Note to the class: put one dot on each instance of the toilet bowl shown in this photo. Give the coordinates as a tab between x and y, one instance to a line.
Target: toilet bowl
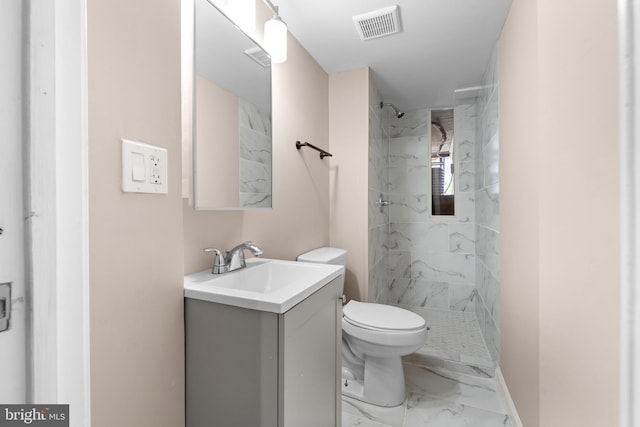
374	338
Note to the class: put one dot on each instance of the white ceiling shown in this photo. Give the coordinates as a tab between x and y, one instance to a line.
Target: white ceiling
445	44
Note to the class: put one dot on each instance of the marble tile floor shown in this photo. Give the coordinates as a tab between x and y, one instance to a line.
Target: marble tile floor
450	381
454	343
436	398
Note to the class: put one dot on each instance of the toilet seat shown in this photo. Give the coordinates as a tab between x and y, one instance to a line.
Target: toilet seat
381	317
383	325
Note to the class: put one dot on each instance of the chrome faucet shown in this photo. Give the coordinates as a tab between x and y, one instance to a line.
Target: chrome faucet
234	259
219	263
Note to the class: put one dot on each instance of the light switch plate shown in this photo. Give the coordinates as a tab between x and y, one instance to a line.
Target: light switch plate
144	168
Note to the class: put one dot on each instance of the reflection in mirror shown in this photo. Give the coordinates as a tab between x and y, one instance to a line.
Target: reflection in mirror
442	170
232	118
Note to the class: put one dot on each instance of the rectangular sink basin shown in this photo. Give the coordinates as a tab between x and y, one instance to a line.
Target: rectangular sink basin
265	284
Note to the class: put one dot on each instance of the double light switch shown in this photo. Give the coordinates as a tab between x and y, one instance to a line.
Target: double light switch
144	168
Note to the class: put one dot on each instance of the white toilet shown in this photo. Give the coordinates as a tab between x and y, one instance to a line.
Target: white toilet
374	337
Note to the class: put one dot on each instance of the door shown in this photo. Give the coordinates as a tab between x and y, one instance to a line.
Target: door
12	277
311	360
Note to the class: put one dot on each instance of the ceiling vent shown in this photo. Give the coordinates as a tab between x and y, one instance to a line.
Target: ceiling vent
379	23
259	55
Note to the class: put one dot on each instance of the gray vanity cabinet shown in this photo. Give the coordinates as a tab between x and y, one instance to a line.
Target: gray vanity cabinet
255	368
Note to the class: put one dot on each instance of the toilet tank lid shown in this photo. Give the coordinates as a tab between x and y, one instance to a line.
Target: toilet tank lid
382	316
323	255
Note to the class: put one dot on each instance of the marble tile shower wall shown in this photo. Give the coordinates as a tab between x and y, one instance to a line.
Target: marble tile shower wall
431	258
445	263
378	226
255	156
487	217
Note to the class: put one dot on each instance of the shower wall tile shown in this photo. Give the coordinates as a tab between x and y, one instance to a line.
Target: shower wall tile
465	147
465	207
479	172
491	297
490	160
488	206
462	238
448	268
399	264
377	217
378	289
465	116
481	280
377	156
488	210
409	179
419	293
490	117
462	298
377	244
409	207
378	179
489	113
409	150
466	177
490	78
491	337
413	123
488	249
480	314
430	237
428	254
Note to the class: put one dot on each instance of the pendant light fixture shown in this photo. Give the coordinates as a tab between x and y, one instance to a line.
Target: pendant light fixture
275	36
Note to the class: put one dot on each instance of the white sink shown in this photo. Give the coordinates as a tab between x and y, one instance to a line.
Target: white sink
265	284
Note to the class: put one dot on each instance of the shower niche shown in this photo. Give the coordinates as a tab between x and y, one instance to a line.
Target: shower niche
442	162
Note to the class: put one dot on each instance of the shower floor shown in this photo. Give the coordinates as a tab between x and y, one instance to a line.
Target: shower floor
454	342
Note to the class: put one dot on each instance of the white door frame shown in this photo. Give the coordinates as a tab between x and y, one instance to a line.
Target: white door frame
629	205
59	218
57	203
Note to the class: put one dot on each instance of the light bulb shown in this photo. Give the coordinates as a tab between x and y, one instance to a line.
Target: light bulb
275	39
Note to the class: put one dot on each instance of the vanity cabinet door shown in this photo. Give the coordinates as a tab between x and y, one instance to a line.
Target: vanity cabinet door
311	360
231	366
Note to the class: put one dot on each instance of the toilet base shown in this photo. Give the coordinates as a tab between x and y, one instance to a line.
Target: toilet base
383	383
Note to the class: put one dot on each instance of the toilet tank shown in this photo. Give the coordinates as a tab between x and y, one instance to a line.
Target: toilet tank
333	256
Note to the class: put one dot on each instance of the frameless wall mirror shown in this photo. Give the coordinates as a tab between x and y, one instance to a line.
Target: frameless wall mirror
231	117
442	164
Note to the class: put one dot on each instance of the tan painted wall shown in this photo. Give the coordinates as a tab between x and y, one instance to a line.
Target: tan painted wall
136	267
349	135
579	233
519	211
559	231
299	219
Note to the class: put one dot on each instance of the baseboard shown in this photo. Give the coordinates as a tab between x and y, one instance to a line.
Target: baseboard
511	407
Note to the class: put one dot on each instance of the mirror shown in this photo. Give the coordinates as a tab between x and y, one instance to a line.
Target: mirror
231	117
